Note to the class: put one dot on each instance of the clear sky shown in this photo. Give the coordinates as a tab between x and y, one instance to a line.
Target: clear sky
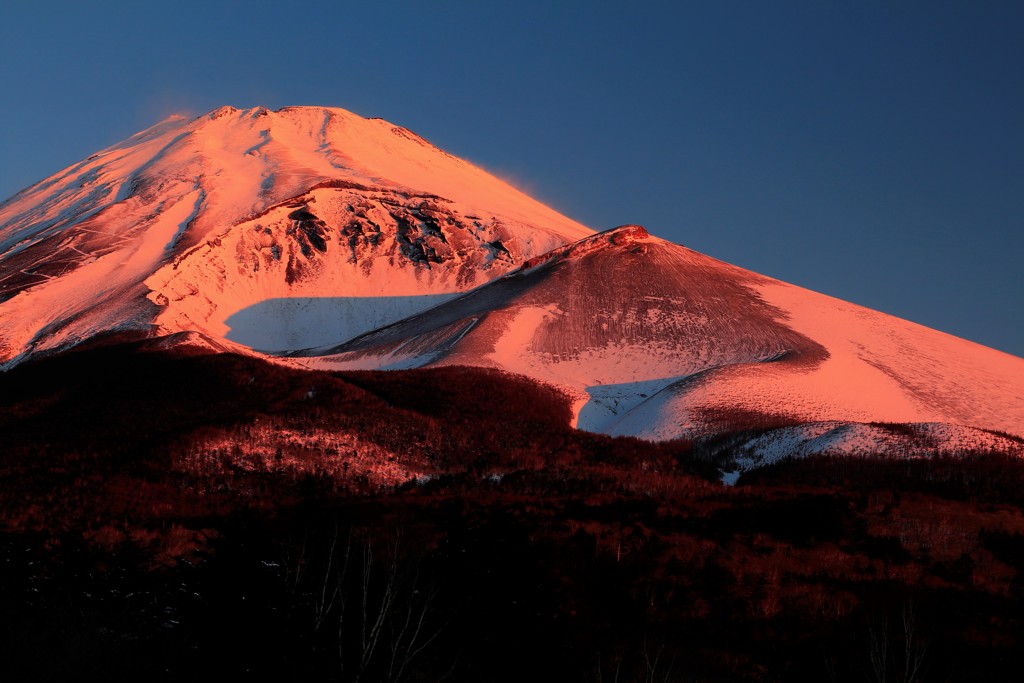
871	150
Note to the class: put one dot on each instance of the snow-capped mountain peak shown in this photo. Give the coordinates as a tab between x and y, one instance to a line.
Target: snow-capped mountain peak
191	222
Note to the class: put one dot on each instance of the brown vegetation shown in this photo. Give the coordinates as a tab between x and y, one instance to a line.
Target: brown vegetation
442	523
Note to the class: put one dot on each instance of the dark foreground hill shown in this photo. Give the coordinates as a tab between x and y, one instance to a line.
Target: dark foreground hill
447	524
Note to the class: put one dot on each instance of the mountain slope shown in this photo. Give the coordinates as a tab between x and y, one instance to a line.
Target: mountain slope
658	341
313	228
191	222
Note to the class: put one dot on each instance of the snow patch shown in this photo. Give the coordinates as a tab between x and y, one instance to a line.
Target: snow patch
278	324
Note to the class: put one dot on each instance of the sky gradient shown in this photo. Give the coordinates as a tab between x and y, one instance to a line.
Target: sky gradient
873	151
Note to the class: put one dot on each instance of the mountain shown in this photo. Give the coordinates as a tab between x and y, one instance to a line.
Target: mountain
336	242
658	341
272	229
176	500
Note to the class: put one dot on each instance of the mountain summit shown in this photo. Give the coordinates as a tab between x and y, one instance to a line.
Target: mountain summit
302	213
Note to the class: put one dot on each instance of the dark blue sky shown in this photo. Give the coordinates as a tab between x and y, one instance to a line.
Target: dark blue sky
873	151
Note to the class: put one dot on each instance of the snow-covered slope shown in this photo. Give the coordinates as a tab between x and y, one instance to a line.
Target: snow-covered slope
257	226
854	439
658	341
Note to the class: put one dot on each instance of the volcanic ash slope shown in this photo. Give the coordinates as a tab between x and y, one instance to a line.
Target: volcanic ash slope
658	341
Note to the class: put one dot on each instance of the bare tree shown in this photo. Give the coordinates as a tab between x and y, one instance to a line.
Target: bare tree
651	664
881	641
914	646
382	611
648	666
878	650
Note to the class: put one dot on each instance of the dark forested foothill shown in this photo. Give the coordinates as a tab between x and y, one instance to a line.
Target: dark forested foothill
167	514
